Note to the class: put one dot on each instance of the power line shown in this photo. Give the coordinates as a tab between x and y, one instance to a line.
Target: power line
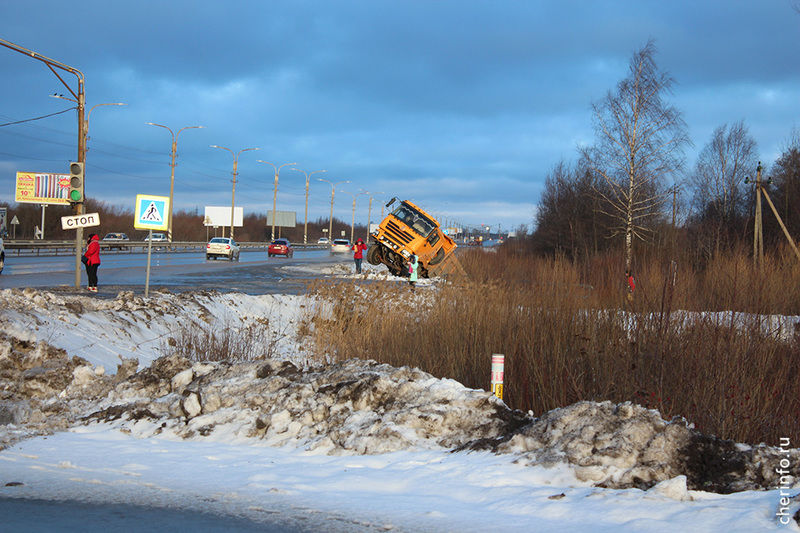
37	118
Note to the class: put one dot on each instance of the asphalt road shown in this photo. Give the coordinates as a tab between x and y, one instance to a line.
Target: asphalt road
254	273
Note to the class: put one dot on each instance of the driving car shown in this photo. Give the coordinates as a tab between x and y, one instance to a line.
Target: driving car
157	237
340	246
113	240
323	240
222	247
2	255
280	247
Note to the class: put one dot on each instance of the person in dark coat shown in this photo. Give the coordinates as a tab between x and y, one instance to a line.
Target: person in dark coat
358	254
92	260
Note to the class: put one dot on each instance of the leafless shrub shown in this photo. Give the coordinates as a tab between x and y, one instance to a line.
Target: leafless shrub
225	341
569	334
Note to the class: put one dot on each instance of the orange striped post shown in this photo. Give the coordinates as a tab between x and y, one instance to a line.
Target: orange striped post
498	364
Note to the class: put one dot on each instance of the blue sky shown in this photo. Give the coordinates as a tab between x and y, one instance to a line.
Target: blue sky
461	106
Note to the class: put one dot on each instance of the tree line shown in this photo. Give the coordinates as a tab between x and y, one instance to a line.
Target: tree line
632	191
187	225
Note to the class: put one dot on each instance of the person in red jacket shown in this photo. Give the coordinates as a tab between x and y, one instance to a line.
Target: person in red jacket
631	284
92	260
358	248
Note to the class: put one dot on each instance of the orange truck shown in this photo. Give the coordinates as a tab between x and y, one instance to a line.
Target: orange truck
410	230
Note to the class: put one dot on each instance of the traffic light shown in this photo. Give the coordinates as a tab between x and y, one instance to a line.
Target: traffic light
76	182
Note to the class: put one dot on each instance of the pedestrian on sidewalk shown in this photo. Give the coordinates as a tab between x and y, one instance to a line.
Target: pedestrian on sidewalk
91	259
358	248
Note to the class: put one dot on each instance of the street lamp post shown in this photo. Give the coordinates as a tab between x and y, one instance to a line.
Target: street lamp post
369	212
172	172
353	223
305	225
330	219
275	193
235	166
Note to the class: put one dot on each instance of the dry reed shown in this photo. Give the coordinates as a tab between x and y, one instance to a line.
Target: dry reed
569	334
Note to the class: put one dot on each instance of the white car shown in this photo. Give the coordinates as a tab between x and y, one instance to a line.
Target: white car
222	247
340	246
157	237
2	255
323	240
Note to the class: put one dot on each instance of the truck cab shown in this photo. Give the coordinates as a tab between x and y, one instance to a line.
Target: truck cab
410	230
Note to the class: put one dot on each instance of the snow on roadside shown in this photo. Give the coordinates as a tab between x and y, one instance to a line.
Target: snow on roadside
106	332
375	418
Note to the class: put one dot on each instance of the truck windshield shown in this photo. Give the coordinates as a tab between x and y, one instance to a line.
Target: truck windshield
414	219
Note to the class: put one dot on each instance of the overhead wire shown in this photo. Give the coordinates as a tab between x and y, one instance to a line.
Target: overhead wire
37	118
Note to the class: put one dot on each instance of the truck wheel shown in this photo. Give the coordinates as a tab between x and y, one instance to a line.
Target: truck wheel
374	255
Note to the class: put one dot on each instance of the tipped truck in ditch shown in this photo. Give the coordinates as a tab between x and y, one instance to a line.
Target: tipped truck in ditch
410	230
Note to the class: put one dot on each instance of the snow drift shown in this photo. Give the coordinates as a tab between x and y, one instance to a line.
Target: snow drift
348	407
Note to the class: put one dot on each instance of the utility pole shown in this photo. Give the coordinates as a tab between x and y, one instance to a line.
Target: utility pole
172	172
758	237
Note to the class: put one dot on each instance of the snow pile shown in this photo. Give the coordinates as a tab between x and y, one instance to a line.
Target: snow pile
626	445
106	332
368	272
48	383
348	407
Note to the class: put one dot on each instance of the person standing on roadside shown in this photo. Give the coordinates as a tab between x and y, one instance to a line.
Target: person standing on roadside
92	260
358	248
413	270
631	284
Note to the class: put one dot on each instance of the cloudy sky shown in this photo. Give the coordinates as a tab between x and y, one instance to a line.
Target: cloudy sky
461	106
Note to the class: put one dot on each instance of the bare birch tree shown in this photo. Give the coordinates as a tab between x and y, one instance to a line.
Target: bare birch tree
640	140
718	192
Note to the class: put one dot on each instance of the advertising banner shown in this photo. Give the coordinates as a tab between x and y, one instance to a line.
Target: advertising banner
42	188
284	219
221	216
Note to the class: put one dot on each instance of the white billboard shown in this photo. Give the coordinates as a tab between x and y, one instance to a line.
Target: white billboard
284	219
221	216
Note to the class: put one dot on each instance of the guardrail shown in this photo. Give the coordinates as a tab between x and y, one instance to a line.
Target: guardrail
44	248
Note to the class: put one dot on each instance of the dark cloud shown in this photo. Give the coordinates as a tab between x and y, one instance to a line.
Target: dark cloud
463	106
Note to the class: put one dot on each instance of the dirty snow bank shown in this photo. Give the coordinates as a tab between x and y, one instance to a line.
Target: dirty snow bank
362	407
52	348
106	332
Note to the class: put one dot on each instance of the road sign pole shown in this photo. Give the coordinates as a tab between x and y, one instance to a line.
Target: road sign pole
147	276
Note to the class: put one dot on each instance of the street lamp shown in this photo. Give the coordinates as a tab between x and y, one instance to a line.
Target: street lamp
330	219
172	172
274	192
235	164
305	225
369	212
353	223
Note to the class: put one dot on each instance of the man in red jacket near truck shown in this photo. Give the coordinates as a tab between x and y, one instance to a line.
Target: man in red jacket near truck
358	248
92	260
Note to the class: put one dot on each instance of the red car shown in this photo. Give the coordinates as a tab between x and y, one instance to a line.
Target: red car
280	247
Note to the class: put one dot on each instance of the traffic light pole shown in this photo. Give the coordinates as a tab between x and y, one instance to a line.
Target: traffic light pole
81	159
80	98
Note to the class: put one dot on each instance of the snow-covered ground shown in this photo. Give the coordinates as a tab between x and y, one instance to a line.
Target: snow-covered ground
294	439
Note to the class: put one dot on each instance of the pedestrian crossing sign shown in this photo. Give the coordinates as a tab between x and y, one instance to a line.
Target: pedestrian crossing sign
152	212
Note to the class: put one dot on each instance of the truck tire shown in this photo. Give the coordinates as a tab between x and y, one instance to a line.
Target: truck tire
374	255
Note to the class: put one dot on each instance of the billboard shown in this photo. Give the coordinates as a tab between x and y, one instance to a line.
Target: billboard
221	216
42	188
283	219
